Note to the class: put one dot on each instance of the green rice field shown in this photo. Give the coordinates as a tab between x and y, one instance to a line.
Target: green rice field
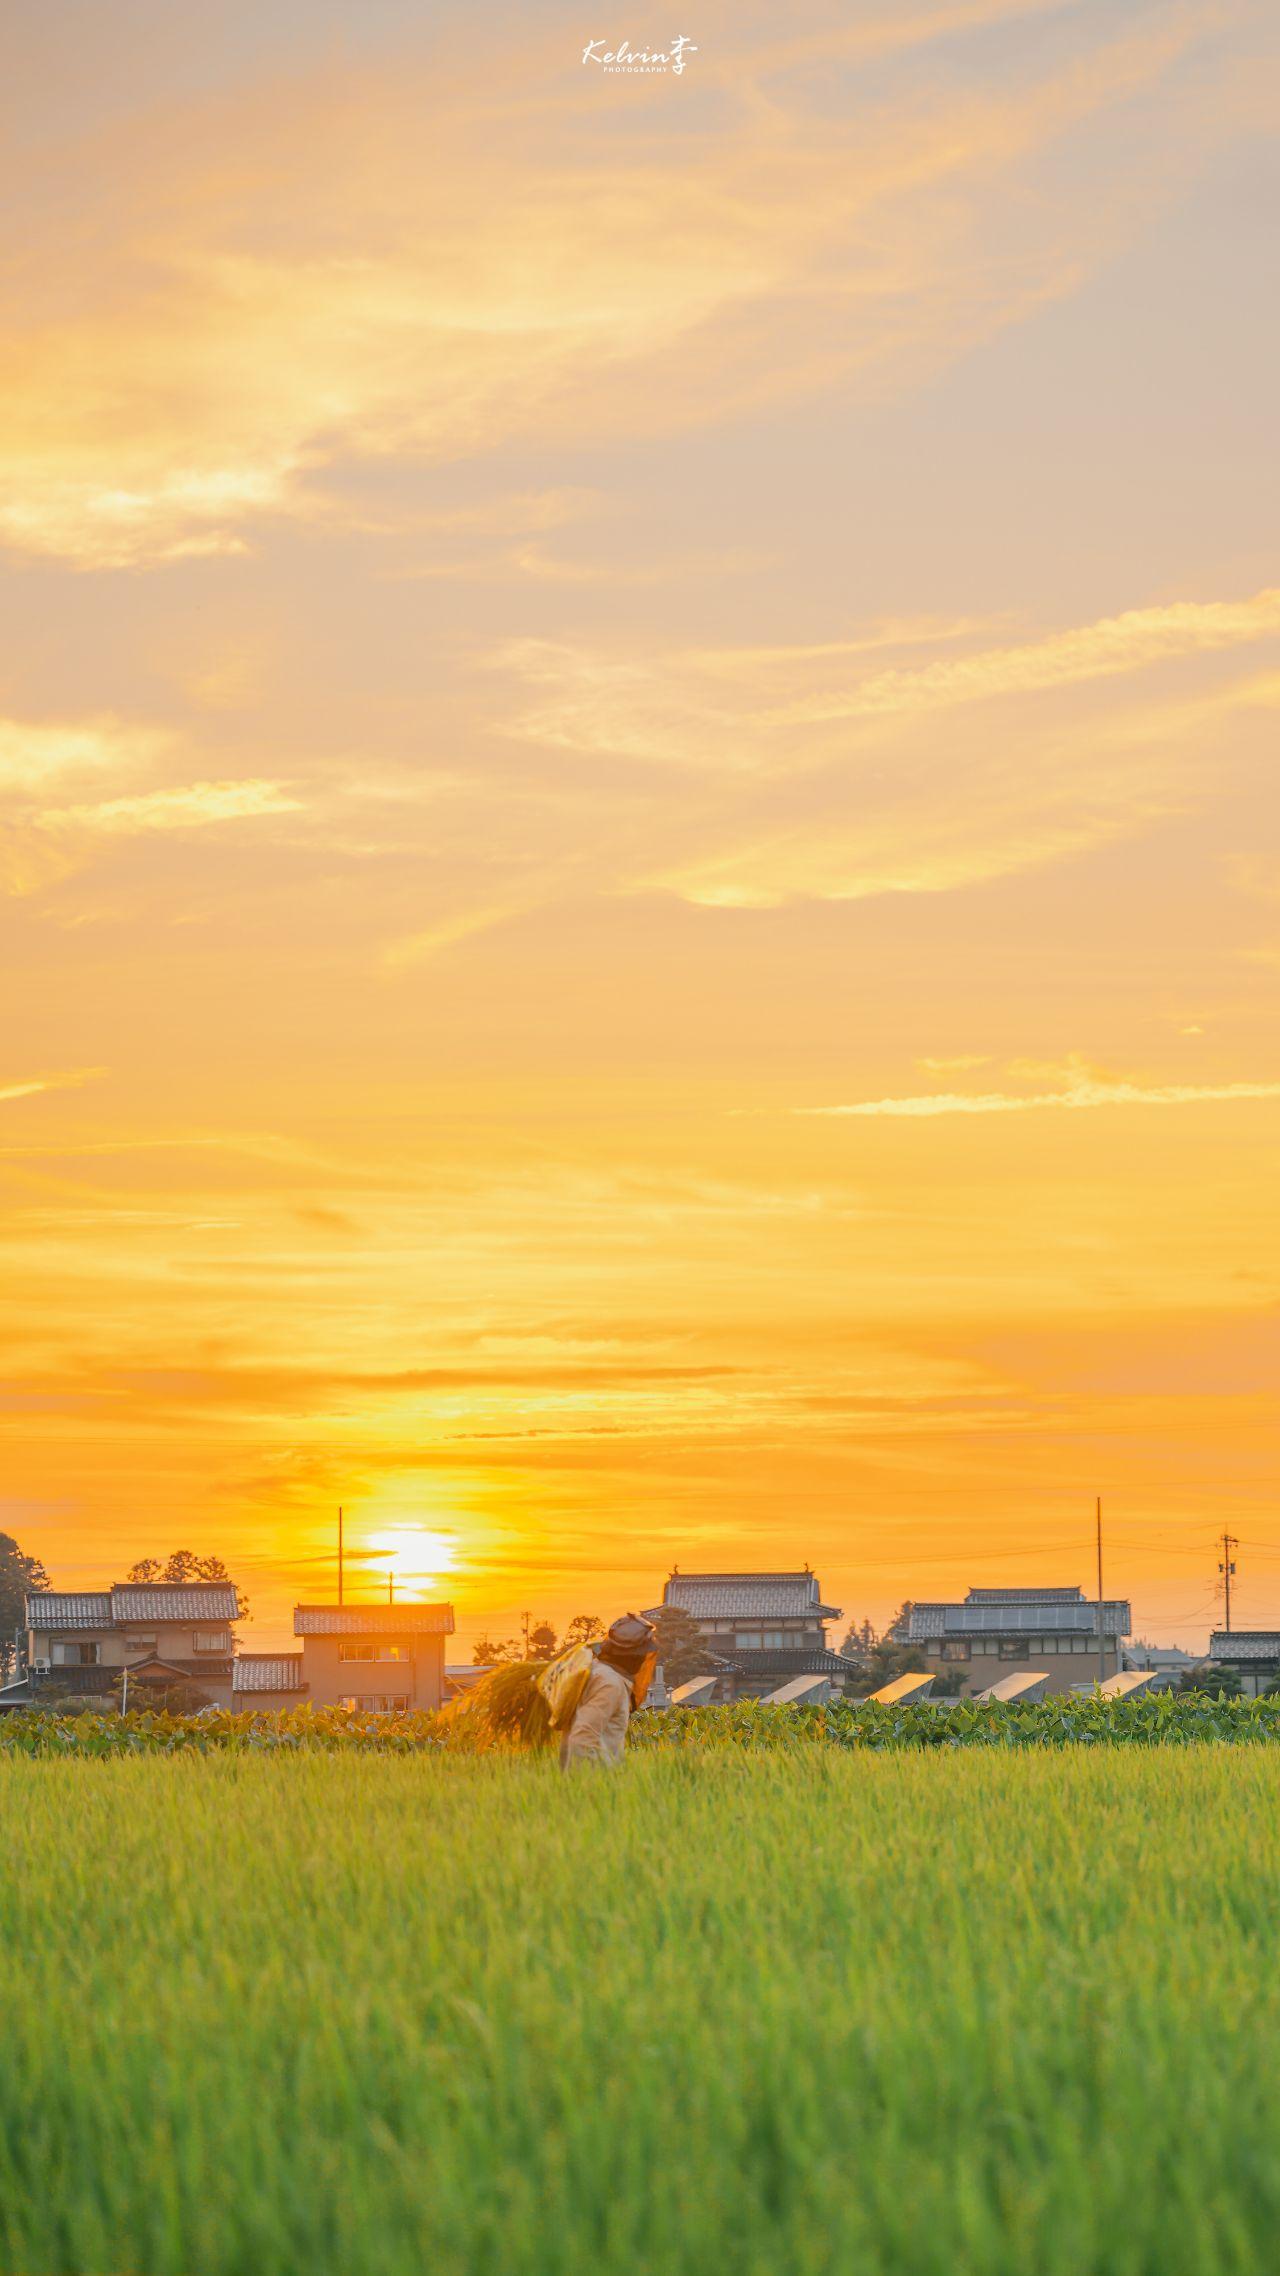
729	2013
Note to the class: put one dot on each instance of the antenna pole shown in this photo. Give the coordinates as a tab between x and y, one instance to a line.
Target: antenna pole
1102	1638
339	1552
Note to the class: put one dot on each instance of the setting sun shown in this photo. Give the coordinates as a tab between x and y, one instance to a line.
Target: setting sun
414	1555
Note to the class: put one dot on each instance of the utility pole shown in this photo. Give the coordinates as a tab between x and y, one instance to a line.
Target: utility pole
1102	1634
526	1617
391	1586
1227	1568
339	1552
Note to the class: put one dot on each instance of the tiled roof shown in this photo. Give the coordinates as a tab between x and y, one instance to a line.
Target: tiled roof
748	1596
784	1663
50	1608
1030	1616
1245	1644
1025	1596
214	1601
195	1600
268	1671
373	1620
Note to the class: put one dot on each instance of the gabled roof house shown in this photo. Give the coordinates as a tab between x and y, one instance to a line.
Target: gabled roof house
375	1657
762	1628
995	1631
166	1635
1254	1653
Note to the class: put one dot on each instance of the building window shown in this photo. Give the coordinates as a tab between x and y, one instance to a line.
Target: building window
212	1640
373	1650
141	1643
959	1650
374	1702
74	1655
1012	1648
1079	1643
747	1639
776	1639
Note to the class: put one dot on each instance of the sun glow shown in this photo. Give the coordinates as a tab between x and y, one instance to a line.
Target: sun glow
414	1555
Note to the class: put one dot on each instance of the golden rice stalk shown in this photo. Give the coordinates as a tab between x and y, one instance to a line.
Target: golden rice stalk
504	1710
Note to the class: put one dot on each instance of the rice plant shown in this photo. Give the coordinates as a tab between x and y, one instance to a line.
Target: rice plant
820	2009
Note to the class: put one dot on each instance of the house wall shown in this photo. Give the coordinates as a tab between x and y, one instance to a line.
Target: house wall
418	1679
1013	1656
268	1702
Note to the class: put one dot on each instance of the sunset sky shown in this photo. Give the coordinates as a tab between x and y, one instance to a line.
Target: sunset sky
641	903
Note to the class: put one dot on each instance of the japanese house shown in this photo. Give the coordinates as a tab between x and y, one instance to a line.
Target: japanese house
1254	1653
997	1631
762	1628
170	1638
382	1658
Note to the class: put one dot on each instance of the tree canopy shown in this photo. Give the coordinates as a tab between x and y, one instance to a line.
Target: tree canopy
682	1647
19	1573
183	1566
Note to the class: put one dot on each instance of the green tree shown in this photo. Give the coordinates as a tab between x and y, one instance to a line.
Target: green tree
490	1653
1218	1682
887	1659
584	1628
180	1696
19	1573
682	1647
542	1641
179	1569
859	1642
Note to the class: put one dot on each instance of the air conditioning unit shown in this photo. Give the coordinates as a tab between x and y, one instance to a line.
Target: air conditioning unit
42	1667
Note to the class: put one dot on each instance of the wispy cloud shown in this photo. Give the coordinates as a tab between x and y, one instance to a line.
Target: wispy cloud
70	1079
35	752
189	807
1078	1096
1114	645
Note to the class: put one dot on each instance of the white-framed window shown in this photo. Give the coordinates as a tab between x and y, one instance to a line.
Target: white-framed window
747	1639
212	1640
371	1648
77	1654
141	1643
374	1702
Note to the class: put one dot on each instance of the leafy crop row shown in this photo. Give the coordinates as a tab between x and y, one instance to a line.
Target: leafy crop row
1167	1719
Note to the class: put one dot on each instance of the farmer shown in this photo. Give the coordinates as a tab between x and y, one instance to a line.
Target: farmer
616	1685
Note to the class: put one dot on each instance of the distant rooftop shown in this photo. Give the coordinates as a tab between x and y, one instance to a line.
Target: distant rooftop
748	1596
1025	1596
373	1620
126	1603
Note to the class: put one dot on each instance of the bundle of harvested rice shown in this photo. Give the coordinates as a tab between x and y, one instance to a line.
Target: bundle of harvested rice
505	1709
